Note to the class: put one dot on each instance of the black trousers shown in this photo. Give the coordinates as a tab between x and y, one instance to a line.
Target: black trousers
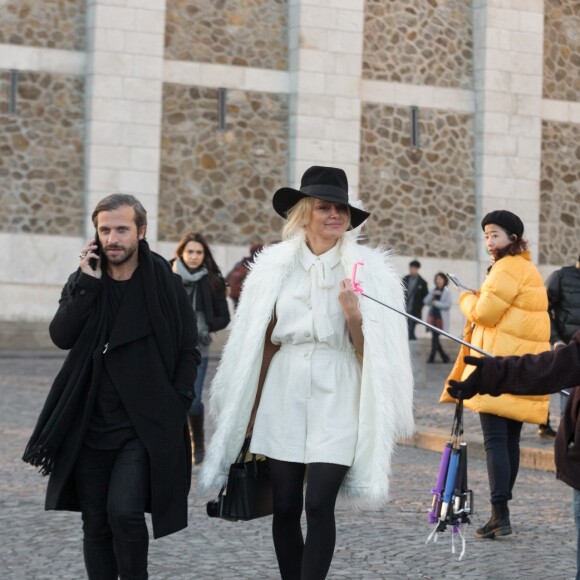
114	489
299	559
501	438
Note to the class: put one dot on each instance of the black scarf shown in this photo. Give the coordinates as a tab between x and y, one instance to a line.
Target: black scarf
69	393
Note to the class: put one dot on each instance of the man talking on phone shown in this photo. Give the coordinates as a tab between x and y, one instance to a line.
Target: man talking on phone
113	432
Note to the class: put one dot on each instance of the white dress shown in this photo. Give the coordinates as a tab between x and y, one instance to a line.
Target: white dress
308	411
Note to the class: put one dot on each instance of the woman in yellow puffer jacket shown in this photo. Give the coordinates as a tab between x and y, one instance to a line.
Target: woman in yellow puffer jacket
507	316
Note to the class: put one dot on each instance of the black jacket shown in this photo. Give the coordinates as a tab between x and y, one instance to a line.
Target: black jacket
542	374
421	290
213	303
564	303
155	396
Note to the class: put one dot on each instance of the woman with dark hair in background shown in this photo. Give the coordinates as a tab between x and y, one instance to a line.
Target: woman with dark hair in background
206	288
439	301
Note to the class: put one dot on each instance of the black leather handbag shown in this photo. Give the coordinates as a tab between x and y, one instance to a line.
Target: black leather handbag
247	494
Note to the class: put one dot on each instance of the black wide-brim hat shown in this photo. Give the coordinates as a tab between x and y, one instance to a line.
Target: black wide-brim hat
326	183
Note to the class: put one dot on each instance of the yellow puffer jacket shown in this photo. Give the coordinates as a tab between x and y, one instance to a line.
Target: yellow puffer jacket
508	316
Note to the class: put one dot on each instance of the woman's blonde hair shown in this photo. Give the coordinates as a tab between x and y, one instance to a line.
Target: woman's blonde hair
298	217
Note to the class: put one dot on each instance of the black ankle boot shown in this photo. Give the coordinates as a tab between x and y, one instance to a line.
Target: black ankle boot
198	438
498	524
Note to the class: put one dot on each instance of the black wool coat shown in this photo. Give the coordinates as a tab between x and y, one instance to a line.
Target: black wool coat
542	374
156	398
421	290
213	303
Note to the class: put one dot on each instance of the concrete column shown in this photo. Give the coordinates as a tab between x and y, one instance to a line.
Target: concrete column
125	44
508	65
325	62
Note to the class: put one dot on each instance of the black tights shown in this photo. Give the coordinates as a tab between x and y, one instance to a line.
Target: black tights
297	559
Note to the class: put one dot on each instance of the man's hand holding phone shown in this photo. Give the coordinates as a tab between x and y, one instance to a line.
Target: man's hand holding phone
90	259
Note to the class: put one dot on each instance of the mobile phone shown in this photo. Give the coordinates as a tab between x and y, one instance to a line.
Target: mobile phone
458	282
93	262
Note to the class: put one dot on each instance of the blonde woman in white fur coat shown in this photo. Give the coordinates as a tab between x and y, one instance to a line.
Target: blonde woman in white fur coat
321	381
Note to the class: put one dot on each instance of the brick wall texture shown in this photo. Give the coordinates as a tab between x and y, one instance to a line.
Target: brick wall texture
220	183
41	155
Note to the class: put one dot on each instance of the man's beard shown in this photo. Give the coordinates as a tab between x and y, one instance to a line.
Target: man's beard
123	257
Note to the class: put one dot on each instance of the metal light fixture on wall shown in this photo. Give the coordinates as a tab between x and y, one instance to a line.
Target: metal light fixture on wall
222	109
13	92
415	128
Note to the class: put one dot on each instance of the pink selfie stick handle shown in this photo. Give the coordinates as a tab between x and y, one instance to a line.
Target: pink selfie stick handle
355	285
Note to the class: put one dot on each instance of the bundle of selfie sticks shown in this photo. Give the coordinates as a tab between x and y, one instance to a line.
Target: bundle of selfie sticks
452	502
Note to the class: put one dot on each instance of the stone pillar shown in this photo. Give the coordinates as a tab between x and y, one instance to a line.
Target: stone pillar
325	63
125	42
508	66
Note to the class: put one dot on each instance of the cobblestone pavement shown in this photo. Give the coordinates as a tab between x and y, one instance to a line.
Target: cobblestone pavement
388	544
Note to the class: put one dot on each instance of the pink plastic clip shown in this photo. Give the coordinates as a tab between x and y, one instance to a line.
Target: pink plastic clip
355	285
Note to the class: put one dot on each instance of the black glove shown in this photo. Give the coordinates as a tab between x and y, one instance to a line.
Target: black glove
472	385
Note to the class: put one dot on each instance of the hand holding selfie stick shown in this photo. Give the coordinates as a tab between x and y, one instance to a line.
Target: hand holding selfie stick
358	289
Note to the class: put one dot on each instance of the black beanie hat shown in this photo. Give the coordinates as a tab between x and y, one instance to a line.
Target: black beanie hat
505	219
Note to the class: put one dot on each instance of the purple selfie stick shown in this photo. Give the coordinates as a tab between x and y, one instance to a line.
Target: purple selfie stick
438	489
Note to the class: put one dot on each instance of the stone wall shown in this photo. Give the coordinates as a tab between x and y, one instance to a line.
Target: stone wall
45	23
250	33
41	155
423	200
419	42
562	50
220	183
560	194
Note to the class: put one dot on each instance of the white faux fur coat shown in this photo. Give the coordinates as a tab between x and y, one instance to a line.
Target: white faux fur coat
386	400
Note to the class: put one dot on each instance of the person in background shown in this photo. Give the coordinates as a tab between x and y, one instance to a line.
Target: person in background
439	302
415	290
235	279
564	309
319	378
206	289
114	426
507	316
539	374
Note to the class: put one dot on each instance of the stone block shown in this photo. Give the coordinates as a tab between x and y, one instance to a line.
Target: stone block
340	85
107	39
212	75
105	133
144	90
310	82
529	148
144	159
148	67
150	21
271	81
107	156
529	105
316	151
318	16
350	20
307	127
555	110
144	43
346	152
135	135
102	179
313	38
115	17
318	61
343	42
341	130
347	108
106	109
109	63
106	86
140	183
146	113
